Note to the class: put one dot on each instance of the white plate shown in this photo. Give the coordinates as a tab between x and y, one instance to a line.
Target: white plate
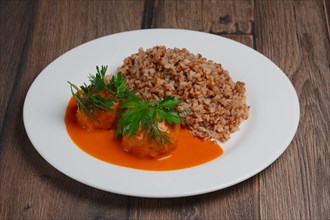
273	120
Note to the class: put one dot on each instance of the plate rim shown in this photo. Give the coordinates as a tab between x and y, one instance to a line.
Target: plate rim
155	195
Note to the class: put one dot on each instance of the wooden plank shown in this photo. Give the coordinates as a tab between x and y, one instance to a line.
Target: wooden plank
294	36
221	17
147	14
244	39
13	51
232	203
326	5
29	187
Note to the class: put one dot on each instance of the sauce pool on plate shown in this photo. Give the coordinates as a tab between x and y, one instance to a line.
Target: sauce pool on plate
103	145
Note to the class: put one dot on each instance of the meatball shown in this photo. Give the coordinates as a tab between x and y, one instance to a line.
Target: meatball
140	144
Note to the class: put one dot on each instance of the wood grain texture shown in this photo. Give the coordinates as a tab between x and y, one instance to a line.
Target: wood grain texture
289	33
326	5
29	187
14	51
232	203
294	34
221	17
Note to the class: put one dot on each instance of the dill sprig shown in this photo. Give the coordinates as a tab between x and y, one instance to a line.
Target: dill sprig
135	113
89	98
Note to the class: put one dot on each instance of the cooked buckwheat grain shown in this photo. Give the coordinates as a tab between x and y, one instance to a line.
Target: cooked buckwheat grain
215	104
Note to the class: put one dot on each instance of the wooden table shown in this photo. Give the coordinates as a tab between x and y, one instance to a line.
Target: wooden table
293	34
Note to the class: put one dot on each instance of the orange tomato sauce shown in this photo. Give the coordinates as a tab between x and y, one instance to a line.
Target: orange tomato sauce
103	145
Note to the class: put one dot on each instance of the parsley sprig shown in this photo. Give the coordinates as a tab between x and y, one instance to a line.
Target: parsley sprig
135	112
89	98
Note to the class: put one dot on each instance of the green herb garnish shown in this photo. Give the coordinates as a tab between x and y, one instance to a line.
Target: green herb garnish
135	112
89	97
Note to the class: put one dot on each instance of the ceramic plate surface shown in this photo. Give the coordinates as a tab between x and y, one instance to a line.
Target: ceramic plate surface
273	120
